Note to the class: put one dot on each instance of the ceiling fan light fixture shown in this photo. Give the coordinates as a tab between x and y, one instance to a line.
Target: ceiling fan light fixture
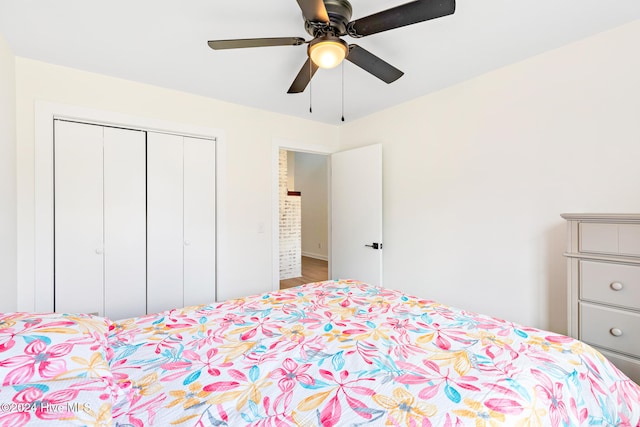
328	51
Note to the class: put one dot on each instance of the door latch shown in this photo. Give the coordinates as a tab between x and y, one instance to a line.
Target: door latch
375	245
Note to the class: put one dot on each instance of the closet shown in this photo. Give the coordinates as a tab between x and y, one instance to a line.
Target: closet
134	220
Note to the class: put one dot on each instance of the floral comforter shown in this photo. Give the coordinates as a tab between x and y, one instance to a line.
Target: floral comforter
54	370
336	353
343	353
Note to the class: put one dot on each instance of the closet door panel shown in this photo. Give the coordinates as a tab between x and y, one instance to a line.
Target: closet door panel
164	222
199	221
125	292
78	213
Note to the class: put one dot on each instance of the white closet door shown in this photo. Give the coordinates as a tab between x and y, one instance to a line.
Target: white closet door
164	222
125	292
199	221
78	214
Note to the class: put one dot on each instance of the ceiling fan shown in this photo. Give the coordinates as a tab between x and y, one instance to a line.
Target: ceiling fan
328	20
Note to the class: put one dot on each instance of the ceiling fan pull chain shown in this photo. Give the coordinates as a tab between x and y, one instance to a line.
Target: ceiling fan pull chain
342	91
310	86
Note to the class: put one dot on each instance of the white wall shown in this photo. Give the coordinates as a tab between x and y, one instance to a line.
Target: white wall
8	281
476	176
291	170
245	248
312	180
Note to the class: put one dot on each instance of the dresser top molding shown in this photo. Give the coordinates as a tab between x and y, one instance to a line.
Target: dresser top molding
603	217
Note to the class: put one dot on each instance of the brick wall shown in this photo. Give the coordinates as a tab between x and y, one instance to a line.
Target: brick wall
290	226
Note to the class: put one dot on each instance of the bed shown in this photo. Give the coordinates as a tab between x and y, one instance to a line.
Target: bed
335	353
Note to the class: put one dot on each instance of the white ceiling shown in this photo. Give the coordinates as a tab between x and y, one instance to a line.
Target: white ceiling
164	43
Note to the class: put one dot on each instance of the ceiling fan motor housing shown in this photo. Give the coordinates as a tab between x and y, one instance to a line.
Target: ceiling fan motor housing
339	12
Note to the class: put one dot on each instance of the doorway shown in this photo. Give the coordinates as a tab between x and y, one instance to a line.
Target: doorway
354	180
303	211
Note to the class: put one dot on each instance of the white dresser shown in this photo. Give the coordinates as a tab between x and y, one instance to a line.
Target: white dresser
603	258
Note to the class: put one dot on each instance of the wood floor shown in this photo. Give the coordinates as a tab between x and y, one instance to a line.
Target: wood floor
313	270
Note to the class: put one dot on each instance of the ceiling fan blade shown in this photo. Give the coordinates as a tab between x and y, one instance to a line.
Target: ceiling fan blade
372	64
241	43
304	77
314	10
399	16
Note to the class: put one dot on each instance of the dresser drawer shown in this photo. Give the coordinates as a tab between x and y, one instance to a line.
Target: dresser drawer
615	284
630	367
616	239
600	325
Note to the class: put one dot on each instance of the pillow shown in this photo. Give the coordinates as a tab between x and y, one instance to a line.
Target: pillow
54	367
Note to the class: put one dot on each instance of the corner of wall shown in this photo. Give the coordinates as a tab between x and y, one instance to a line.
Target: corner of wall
8	195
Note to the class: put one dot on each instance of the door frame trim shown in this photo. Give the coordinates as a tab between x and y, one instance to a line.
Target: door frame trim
41	293
303	147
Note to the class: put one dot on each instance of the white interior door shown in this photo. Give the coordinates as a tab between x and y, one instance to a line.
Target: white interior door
199	221
78	213
356	214
125	277
165	244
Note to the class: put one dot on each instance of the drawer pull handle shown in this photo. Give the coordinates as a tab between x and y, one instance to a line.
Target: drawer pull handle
616	286
615	332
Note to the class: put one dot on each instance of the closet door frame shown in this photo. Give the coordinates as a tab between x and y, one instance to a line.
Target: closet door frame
42	291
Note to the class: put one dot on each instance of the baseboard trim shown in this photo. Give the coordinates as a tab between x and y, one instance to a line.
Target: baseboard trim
316	256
